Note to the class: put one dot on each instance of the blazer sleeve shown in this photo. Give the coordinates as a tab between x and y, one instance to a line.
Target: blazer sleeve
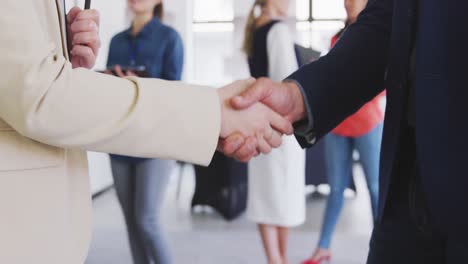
43	98
282	59
350	75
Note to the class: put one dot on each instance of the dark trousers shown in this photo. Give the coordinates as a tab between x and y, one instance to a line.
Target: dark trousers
406	234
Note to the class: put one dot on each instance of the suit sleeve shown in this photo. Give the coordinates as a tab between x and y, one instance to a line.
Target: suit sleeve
350	75
43	98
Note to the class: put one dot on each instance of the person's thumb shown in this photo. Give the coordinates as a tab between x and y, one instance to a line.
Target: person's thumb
255	93
72	14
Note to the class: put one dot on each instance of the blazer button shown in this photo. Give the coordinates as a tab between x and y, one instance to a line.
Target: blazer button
55	57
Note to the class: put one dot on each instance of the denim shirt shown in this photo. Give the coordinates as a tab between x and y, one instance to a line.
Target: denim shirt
157	47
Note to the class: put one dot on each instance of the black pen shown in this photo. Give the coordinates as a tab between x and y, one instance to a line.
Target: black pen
87	4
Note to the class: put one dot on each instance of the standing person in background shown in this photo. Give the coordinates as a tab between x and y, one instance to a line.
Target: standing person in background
141	183
276	199
362	132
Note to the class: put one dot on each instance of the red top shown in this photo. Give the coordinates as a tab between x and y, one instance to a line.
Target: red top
365	119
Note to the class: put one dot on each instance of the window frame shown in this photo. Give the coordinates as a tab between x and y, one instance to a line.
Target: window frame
307	26
311	18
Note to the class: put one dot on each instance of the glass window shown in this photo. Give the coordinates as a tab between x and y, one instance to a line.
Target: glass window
302	9
317	34
318	21
321	10
328	9
213	41
213	10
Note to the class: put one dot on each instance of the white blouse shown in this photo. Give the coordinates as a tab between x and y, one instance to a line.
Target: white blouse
276	193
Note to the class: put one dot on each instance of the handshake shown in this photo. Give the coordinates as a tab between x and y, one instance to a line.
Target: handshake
255	114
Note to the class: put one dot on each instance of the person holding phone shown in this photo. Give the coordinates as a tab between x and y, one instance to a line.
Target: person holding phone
147	49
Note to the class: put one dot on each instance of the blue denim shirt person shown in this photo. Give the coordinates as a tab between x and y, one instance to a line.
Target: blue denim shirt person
157	47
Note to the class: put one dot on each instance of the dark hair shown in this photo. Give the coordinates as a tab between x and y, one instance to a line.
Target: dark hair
159	11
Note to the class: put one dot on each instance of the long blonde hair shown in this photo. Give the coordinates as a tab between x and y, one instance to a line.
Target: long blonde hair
250	26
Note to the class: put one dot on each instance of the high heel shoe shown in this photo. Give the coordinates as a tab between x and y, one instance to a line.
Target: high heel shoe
322	260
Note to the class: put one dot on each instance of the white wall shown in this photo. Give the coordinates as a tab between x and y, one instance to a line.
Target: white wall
179	15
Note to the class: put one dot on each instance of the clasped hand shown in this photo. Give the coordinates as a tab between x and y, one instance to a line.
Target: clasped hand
255	116
83	37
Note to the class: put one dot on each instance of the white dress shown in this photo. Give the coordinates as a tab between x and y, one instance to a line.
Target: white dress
276	193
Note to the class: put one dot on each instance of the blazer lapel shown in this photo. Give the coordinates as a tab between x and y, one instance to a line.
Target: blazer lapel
63	25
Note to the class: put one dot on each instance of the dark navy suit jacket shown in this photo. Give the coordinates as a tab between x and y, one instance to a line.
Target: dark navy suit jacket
373	54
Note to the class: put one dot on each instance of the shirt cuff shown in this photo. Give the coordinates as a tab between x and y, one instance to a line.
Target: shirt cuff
305	127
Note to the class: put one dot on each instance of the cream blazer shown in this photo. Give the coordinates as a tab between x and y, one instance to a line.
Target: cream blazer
50	114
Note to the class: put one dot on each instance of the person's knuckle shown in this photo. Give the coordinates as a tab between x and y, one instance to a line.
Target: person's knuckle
246	152
230	151
239	82
242	158
266	81
88	51
81	39
81	16
84	37
279	141
97	14
227	148
94	38
261	129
